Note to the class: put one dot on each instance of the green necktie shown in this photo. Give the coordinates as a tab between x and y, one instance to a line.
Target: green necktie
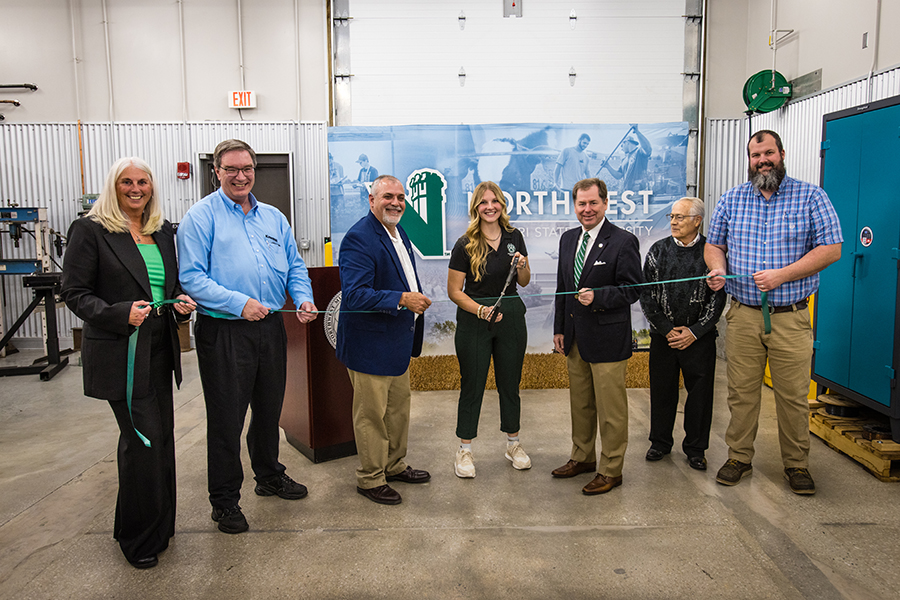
579	257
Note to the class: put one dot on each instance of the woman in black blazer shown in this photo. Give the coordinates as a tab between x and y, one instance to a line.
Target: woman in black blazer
120	258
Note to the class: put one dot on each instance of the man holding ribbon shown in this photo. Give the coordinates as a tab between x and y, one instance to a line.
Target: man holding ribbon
782	232
598	266
682	312
381	327
238	257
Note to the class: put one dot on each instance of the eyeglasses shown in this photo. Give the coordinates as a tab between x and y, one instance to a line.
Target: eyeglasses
679	218
233	171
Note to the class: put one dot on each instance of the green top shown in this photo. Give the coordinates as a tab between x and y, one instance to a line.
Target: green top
155	269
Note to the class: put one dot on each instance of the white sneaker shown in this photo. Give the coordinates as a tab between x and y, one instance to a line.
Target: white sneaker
464	464
517	455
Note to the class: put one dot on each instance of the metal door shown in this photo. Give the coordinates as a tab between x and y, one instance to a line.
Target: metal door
856	309
834	302
876	239
273	181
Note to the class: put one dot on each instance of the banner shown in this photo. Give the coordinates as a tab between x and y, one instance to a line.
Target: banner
536	166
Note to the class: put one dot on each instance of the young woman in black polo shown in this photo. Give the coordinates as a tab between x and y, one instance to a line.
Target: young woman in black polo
480	264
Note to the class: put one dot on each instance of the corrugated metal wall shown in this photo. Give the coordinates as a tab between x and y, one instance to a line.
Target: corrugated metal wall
800	126
40	167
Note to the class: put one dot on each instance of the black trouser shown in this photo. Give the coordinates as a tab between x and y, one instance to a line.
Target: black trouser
145	506
242	363
697	363
475	345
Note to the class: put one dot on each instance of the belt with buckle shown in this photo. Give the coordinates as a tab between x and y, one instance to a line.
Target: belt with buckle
781	309
159	311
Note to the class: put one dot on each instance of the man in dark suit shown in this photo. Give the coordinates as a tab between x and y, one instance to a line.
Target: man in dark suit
380	327
593	329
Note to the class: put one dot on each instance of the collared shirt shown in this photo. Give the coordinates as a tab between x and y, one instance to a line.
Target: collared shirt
592	233
408	270
688	245
226	257
765	234
497	264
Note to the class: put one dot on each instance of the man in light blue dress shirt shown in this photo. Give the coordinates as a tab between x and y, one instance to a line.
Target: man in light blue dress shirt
238	257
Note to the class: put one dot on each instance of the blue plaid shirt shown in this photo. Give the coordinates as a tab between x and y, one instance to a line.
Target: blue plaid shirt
765	234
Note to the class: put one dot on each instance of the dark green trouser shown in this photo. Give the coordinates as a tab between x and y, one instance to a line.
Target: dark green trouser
474	347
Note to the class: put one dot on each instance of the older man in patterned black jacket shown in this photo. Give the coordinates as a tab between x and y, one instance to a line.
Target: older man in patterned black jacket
683	320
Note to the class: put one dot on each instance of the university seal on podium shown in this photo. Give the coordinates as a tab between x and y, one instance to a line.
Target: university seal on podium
331	319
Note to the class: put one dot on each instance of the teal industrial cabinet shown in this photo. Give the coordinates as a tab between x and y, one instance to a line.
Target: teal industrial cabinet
856	323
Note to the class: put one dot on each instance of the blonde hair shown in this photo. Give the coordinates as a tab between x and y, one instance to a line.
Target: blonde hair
106	210
477	248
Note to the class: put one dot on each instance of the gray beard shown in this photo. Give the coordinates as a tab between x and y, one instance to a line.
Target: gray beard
768	182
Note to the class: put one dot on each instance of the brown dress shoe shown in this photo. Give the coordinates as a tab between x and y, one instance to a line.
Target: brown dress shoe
601	484
383	494
573	468
410	475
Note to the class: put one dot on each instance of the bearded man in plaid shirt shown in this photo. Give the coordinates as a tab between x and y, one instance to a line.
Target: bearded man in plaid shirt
782	232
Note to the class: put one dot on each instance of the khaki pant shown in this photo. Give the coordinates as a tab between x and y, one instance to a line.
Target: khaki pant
789	351
381	425
599	402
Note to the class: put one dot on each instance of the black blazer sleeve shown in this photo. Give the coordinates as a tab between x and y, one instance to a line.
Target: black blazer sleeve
93	300
103	275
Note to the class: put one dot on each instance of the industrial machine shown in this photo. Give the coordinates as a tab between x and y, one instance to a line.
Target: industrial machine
40	277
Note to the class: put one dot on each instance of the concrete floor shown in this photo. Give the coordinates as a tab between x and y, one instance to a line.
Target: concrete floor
668	532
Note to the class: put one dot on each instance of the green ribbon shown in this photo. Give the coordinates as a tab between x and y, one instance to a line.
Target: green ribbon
213	313
132	349
767	318
765	302
322	312
129	386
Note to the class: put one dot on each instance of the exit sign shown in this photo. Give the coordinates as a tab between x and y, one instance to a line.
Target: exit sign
245	99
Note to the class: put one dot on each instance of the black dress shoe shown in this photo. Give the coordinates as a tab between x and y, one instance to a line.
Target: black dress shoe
697	462
410	475
148	562
654	454
383	494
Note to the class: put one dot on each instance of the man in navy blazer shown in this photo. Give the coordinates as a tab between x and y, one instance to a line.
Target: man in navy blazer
380	327
593	329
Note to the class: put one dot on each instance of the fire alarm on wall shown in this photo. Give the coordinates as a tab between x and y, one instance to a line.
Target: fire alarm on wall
184	170
512	8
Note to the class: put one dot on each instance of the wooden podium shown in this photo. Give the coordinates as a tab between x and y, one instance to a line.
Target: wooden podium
318	398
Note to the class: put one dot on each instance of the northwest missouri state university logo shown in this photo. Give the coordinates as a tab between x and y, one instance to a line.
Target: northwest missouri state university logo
424	224
332	314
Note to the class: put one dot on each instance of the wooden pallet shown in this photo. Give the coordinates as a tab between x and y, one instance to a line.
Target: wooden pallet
880	457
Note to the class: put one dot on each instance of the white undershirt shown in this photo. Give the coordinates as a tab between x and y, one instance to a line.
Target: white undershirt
408	271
